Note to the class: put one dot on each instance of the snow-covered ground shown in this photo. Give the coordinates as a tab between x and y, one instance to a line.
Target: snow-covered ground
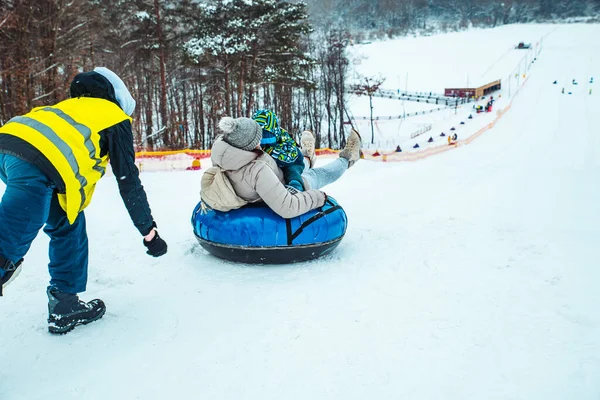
432	64
460	59
469	275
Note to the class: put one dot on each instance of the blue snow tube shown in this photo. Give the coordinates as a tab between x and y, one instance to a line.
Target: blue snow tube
256	234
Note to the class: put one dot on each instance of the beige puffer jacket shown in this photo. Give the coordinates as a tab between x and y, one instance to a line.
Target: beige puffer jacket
255	176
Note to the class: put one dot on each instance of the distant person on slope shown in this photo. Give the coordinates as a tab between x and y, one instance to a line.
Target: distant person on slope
50	161
255	176
283	148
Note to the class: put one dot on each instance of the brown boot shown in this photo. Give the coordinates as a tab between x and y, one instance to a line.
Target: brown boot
352	150
308	147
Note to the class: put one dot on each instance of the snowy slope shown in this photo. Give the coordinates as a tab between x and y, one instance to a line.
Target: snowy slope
469	275
431	64
459	59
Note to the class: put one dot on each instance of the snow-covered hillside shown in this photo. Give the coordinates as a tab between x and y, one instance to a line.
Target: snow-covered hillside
432	64
472	274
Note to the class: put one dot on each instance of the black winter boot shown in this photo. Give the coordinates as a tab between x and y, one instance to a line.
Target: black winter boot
11	271
66	311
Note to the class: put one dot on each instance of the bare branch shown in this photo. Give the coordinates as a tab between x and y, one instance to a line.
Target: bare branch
44	95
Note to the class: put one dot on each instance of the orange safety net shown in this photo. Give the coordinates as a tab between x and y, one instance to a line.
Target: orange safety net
428	152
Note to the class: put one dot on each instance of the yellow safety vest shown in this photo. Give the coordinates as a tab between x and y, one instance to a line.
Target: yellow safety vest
68	135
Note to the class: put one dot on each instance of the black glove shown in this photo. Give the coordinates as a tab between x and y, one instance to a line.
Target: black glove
156	247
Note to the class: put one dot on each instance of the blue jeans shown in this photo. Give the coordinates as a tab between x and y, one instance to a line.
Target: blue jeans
323	176
29	202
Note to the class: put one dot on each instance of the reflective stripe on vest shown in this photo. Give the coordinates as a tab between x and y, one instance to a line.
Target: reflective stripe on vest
85	132
63	147
68	136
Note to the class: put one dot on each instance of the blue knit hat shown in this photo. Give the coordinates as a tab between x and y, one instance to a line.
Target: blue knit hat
269	122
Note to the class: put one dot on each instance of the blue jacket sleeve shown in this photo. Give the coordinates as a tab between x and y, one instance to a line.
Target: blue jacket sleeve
292	173
289	158
119	140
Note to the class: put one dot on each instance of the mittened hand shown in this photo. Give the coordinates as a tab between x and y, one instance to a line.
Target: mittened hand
156	247
325	202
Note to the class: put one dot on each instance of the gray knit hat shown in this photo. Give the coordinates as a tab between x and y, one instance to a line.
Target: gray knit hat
243	133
